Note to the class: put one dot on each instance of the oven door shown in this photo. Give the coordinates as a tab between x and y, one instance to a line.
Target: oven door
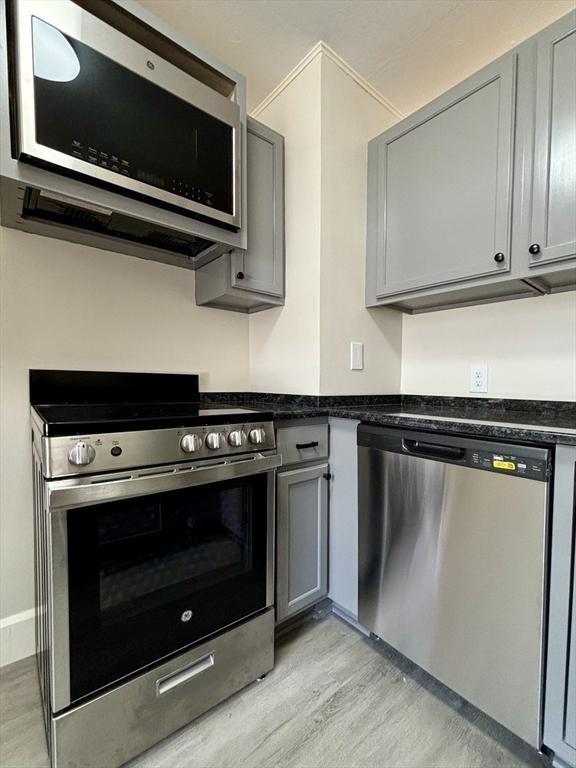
92	102
146	565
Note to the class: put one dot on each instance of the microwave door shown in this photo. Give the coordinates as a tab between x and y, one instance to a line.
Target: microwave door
96	104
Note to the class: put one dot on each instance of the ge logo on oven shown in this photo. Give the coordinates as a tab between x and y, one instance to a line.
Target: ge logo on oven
186	616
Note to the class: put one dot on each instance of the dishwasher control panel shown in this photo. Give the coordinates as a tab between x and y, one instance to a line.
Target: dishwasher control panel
510	464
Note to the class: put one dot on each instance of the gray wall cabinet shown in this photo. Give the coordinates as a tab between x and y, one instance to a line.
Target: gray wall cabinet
553	225
253	279
443	189
560	699
471	199
302	539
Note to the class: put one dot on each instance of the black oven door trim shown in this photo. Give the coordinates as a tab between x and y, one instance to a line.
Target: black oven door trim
66	495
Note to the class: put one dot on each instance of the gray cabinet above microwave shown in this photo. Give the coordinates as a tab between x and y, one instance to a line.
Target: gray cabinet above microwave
472	198
77	165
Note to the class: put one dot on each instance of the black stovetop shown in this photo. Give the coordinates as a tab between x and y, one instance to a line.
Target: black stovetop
97	418
94	402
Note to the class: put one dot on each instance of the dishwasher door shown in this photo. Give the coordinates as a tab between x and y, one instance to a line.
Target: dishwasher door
452	558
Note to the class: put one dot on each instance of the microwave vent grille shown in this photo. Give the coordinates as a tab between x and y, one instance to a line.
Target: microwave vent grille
65	212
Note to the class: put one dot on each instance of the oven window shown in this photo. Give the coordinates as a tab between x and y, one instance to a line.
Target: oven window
151	575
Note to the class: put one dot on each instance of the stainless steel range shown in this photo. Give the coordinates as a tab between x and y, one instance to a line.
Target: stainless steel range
154	548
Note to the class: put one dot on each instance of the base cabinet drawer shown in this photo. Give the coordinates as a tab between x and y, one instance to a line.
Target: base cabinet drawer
302	539
303	442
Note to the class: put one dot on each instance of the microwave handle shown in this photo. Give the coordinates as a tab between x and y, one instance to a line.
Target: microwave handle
124	485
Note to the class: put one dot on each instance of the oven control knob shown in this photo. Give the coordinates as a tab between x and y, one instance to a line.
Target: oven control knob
237	438
257	436
81	454
214	441
191	443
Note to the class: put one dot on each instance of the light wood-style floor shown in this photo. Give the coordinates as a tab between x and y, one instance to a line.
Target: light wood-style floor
335	699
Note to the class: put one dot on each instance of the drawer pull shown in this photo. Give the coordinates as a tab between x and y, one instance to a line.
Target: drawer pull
171	681
312	444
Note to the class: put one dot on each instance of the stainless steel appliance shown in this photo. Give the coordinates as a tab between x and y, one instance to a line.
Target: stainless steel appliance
96	104
452	563
154	535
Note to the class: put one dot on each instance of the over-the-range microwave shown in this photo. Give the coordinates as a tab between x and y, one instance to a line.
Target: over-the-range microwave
94	104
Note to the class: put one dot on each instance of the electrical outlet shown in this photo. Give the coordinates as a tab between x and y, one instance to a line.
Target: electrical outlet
356	355
479	378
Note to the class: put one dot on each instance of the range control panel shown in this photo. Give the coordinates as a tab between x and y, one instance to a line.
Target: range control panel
510	464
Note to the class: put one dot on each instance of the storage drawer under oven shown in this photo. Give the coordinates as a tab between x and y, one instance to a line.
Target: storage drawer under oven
134	716
306	442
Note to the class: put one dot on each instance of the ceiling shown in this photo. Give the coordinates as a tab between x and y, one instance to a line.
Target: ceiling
410	50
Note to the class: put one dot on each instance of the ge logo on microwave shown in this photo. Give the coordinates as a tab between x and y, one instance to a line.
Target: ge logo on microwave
186	616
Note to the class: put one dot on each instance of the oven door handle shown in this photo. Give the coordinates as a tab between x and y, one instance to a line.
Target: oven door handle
67	494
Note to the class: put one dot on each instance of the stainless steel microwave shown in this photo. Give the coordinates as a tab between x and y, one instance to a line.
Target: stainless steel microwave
94	104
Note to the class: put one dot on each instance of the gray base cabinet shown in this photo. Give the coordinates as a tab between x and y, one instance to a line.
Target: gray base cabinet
560	699
302	539
343	541
252	280
471	199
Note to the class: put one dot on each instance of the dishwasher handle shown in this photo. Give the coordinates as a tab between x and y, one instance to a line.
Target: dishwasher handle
433	450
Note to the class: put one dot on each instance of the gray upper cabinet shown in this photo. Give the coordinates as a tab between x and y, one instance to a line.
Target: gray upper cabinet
473	198
252	280
302	539
553	222
444	186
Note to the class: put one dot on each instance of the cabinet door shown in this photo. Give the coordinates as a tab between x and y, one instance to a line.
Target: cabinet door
443	187
560	698
554	191
302	539
260	268
570	726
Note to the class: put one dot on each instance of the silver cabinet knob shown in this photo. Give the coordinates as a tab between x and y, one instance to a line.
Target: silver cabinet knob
191	443
214	441
237	438
81	454
257	436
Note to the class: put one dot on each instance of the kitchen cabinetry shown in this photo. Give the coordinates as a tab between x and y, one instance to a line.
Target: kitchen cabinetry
443	193
560	700
471	198
343	542
301	521
253	279
553	222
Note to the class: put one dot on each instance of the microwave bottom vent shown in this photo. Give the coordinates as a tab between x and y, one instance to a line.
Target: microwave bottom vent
66	212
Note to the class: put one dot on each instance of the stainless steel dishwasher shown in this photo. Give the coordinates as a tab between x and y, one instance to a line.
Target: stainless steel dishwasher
452	563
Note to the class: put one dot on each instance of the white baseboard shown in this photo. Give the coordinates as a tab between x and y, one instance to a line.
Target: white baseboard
17	638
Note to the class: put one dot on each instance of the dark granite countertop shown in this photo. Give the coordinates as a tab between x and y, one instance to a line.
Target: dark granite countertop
527	421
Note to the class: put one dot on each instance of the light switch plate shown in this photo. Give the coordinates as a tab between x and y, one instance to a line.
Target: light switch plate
479	377
356	355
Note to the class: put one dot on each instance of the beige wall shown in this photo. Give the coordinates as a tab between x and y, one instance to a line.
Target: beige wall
326	117
68	306
350	118
529	346
285	342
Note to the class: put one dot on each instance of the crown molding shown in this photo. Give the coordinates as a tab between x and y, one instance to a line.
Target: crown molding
322	48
